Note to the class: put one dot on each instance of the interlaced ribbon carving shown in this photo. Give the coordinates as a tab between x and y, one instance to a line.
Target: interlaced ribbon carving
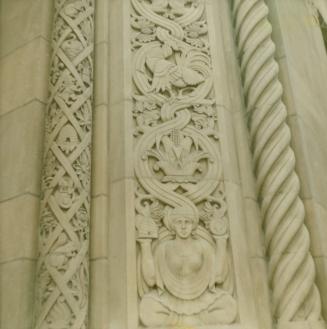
62	273
291	267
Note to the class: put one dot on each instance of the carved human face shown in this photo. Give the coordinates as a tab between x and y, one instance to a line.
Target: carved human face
183	227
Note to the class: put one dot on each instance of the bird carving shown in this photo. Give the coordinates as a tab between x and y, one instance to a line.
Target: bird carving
188	69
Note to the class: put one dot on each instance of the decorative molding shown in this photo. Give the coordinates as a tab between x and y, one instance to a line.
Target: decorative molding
63	267
295	296
185	274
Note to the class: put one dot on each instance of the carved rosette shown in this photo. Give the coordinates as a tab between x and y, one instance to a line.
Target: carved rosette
295	296
62	272
177	162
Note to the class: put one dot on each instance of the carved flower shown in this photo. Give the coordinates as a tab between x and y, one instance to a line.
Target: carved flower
80	222
48	222
204	117
82	168
69	90
172	8
195	29
147	29
84	117
87	28
146	114
50	169
193	33
67	140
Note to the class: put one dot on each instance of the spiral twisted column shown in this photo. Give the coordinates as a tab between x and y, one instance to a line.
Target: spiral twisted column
295	296
62	272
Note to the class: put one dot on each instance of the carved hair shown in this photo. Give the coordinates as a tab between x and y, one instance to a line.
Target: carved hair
180	212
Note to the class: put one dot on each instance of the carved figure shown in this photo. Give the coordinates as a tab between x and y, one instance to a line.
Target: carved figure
184	271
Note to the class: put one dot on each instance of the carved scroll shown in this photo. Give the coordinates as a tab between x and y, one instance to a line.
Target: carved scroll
184	265
295	296
62	273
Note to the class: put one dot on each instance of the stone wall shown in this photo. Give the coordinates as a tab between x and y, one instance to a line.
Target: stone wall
205	112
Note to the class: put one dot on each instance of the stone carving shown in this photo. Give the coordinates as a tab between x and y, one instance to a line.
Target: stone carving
62	273
295	296
184	265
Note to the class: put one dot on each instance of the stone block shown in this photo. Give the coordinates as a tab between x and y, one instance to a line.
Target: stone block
254	230
316	221
120	68
101	74
321	268
229	158
17	294
21	147
22	21
241	257
312	161
99	294
24	76
122	270
99	228
247	177
120	130
100	164
261	292
101	21
19	227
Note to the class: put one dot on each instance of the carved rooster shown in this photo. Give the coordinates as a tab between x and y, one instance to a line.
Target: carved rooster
190	68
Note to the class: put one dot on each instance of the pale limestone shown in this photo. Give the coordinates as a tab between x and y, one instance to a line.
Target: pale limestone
113	299
62	278
23	21
99	292
28	81
21	146
99	228
18	222
101	72
17	294
100	165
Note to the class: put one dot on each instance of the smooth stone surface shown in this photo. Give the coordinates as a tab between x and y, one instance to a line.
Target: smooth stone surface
19	220
24	76
17	294
21	147
23	21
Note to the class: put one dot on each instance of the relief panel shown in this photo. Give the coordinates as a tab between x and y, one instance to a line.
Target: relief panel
184	263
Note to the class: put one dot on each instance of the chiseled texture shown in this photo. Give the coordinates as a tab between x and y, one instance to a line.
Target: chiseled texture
62	273
295	296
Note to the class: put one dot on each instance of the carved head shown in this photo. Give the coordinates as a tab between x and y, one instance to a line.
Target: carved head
182	221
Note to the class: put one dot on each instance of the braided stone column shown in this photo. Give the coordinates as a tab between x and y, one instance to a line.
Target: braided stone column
295	296
62	272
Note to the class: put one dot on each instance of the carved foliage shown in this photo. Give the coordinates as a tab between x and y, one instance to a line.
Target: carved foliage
65	209
180	194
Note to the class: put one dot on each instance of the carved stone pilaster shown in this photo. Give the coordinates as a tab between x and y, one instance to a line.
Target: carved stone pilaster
295	296
62	272
185	276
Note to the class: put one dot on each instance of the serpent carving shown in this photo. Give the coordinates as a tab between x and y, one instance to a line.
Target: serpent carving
295	296
178	169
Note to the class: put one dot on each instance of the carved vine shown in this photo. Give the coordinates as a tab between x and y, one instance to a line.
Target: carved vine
62	273
180	196
295	296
